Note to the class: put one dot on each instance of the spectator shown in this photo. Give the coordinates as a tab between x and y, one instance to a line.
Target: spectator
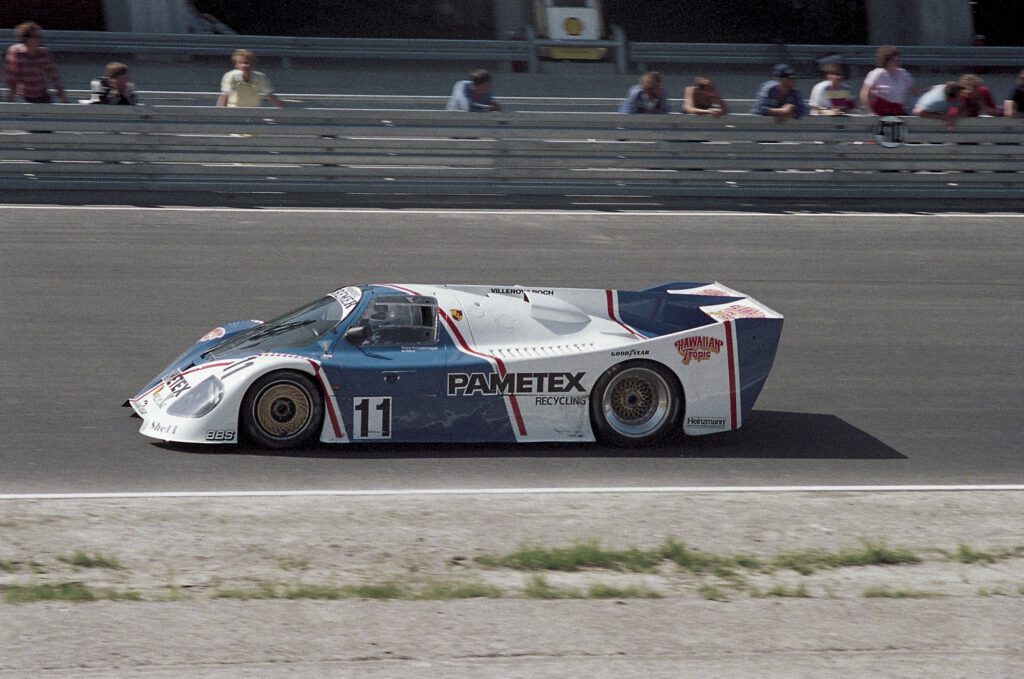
703	99
832	97
1013	105
647	97
975	98
940	103
114	87
30	66
886	87
474	94
244	87
779	97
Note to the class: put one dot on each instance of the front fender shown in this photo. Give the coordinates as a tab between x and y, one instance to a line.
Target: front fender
222	423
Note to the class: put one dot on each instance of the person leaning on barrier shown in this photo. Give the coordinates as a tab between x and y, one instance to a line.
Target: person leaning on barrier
1013	105
473	95
779	97
887	86
114	87
30	66
976	99
244	87
940	103
646	97
832	97
702	98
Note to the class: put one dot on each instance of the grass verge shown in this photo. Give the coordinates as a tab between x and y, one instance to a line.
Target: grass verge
82	559
576	557
798	592
870	554
538	587
64	591
388	590
582	555
890	593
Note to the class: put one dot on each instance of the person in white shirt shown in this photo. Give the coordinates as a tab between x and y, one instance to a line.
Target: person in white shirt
473	95
245	87
941	103
886	88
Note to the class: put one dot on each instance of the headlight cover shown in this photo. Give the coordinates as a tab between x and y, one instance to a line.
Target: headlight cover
199	400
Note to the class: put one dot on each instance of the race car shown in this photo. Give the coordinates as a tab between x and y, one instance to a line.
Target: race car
472	363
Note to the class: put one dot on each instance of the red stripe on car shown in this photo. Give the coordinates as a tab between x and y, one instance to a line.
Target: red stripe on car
610	297
733	396
450	324
327	399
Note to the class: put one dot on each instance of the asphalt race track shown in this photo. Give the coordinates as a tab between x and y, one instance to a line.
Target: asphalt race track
900	363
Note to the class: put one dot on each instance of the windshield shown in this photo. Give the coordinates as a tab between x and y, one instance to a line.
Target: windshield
296	328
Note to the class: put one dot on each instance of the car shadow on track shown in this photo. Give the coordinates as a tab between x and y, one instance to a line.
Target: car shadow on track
767	434
770	434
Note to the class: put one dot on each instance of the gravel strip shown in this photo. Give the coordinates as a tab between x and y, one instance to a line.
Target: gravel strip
195	569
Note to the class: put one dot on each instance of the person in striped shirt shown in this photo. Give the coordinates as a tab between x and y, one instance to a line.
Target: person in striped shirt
30	66
832	97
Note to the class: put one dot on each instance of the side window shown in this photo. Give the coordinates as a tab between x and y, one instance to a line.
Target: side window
406	320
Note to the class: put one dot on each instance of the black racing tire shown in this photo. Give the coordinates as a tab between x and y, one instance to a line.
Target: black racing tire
636	403
282	409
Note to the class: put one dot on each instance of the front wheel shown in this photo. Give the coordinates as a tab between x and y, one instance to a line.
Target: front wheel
635	404
282	410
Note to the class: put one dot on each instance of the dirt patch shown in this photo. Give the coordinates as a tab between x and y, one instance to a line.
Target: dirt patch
203	586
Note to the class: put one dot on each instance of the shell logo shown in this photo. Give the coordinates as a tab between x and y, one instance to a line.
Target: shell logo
573	26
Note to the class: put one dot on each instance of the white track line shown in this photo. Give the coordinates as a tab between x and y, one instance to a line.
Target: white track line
512	491
514	211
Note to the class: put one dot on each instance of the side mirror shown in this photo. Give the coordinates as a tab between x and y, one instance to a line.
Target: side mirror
356	335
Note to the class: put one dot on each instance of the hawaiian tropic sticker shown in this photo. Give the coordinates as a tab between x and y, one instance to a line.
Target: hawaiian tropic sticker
698	348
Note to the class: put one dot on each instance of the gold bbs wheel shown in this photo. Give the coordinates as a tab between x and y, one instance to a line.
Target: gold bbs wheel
282	409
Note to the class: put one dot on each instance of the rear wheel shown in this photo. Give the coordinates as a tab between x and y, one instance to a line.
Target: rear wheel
282	410
635	404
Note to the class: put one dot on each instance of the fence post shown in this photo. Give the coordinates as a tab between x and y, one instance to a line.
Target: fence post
619	36
531	45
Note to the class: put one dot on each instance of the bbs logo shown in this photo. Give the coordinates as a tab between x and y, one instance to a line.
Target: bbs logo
225	435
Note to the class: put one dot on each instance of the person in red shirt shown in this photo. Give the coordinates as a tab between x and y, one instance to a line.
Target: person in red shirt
30	66
976	99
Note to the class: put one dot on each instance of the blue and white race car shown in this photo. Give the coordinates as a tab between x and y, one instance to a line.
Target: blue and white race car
472	363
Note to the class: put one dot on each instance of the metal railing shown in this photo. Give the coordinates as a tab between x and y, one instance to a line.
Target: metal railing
355	151
401	101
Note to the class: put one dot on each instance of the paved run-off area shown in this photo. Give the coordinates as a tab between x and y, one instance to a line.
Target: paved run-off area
741	585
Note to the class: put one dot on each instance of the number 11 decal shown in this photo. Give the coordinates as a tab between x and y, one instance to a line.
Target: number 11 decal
371	417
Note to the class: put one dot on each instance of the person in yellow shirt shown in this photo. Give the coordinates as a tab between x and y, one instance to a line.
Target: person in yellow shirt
243	86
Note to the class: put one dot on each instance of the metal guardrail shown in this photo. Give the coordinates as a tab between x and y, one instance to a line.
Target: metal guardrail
339	151
401	101
626	55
